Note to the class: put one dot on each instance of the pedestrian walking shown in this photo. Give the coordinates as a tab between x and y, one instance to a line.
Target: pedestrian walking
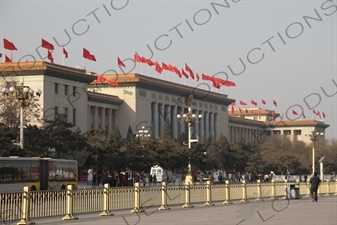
314	182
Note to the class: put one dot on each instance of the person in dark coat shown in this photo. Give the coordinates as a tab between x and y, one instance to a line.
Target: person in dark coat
314	182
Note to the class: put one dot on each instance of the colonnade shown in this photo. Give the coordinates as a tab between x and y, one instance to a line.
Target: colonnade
102	117
159	112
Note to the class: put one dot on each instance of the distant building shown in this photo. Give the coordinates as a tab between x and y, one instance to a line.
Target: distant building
257	123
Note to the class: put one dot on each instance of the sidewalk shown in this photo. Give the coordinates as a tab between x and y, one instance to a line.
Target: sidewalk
279	212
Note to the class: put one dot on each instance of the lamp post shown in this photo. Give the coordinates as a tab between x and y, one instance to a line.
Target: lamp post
190	119
22	93
143	134
314	136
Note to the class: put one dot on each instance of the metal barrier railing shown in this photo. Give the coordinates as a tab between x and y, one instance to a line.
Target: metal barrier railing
32	204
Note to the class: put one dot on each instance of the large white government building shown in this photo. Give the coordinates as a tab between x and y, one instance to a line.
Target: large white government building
141	100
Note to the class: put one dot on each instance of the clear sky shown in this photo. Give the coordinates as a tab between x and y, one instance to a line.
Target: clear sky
278	50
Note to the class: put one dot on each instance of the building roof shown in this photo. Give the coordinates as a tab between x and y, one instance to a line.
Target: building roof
244	121
252	112
297	123
47	69
104	98
155	84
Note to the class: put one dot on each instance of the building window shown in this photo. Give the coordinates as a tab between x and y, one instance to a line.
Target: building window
298	132
74	117
56	88
287	132
276	132
66	115
74	91
65	89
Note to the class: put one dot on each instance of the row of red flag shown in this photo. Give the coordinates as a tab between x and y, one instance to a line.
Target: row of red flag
50	47
187	72
295	113
216	81
254	102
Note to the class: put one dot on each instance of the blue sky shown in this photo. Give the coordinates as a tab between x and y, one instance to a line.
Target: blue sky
285	55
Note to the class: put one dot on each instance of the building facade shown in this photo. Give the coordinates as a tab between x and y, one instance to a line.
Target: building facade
149	102
140	100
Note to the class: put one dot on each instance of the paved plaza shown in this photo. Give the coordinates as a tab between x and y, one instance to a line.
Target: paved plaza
280	212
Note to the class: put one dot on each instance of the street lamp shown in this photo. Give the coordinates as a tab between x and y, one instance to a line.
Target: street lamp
314	136
143	134
22	93
190	119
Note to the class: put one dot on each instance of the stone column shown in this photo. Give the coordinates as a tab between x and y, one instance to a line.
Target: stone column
211	124
201	126
103	118
167	112
206	124
161	118
89	117
174	121
95	117
155	122
216	128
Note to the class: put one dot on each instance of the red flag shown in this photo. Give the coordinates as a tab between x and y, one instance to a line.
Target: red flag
120	63
171	68
294	113
100	79
216	84
205	77
197	76
7	59
253	102
274	114
187	68
88	55
47	45
50	57
113	83
319	114
303	115
242	103
165	67
137	58
314	112
65	53
263	102
184	73
143	59
323	114
158	68
274	102
177	71
9	45
150	62
228	83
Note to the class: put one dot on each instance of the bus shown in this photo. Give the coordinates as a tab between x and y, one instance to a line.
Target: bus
36	173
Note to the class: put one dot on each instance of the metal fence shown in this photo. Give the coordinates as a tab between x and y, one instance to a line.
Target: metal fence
33	204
